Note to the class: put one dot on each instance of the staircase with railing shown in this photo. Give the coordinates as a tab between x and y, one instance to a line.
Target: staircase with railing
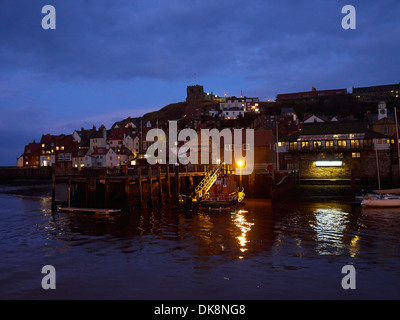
207	182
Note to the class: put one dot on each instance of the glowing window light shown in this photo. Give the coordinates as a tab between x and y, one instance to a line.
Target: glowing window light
328	163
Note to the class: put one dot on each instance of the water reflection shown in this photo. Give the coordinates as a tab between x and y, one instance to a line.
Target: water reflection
290	247
244	226
329	225
294	228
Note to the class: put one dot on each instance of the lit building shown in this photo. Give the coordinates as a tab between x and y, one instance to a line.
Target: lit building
48	146
336	150
234	107
31	156
377	93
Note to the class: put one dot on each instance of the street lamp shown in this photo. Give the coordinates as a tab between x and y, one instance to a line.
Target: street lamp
240	165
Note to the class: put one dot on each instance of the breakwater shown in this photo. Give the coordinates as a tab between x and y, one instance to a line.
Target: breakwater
13	173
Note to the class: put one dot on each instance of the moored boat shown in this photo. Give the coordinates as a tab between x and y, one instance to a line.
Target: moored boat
224	194
386	200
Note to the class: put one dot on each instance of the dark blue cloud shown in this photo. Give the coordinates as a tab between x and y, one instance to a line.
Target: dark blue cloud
106	57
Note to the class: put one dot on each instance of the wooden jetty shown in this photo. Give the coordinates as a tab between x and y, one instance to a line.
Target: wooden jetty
144	187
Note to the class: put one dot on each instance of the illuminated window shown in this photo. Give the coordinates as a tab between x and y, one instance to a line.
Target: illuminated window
329	144
355	154
293	146
379	140
317	144
281	144
342	144
355	144
305	145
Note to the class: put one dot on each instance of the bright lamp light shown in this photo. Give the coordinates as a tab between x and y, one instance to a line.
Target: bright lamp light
328	163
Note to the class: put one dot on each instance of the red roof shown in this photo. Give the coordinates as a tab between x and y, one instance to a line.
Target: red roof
117	134
100	151
79	152
65	141
49	138
32	148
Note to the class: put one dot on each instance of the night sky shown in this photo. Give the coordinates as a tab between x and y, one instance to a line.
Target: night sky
107	60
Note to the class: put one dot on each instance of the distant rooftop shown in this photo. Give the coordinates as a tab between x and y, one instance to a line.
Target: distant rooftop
310	94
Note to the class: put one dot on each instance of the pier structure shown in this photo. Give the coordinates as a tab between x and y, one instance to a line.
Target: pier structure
154	186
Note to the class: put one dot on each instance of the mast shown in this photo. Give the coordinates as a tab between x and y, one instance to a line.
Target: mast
397	136
277	141
377	166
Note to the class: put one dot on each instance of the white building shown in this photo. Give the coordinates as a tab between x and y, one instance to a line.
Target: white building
132	142
98	139
79	158
232	113
233	107
102	157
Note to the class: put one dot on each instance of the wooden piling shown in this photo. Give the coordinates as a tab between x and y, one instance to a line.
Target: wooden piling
151	184
140	186
53	192
191	185
168	184
69	192
106	191
53	189
160	184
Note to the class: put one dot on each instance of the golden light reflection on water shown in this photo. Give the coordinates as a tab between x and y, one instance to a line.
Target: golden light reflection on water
354	246
244	226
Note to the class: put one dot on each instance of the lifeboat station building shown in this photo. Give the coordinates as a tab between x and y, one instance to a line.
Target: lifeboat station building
340	151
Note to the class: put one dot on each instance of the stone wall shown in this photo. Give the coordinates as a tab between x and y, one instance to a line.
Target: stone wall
363	168
11	173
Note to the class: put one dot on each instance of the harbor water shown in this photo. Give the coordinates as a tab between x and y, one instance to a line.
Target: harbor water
289	249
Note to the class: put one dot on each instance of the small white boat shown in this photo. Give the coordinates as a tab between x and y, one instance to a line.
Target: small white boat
381	201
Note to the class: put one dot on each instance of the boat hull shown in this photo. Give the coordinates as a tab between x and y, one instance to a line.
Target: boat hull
220	205
388	203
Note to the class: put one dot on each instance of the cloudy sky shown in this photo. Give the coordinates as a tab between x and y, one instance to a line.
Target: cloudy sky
107	60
